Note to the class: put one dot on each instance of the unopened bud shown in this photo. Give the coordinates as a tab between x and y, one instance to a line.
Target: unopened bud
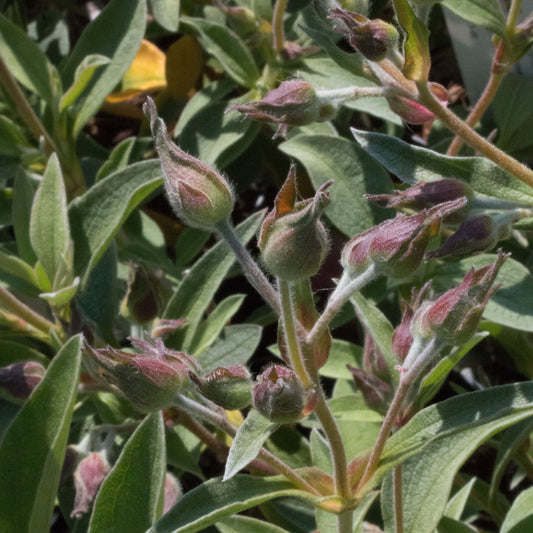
292	240
162	327
199	195
279	395
293	103
413	112
88	477
173	492
374	39
376	393
230	387
19	379
151	379
373	361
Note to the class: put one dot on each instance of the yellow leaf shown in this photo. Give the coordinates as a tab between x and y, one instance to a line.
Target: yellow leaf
184	66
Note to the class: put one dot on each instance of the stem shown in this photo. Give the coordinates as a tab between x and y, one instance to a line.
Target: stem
348	93
345	522
20	309
479	109
342	293
210	416
253	273
24	108
512	16
306	370
278	35
458	127
398	500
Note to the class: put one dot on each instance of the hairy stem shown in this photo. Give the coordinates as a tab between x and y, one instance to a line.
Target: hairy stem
345	522
253	273
477	142
397	495
512	15
278	35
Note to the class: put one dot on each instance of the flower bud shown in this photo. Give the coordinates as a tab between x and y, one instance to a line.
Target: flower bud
230	387
162	327
199	195
373	361
292	240
373	39
151	379
88	477
376	392
424	194
413	112
293	103
396	246
279	395
454	316
173	492
19	379
479	233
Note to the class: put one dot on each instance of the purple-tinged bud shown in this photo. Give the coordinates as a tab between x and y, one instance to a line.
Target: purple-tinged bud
162	327
373	39
19	379
88	477
424	194
413	112
293	103
454	316
396	246
173	492
230	387
479	233
373	361
279	395
376	392
292	240
199	195
150	379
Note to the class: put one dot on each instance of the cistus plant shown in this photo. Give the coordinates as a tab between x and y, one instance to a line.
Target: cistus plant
364	364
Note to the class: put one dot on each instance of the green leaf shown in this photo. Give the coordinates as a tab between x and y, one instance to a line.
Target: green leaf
179	456
519	519
198	288
96	217
439	439
82	77
227	47
456	505
49	224
485	13
118	159
449	525
62	296
210	329
17	267
23	193
235	345
215	499
342	353
413	164
247	444
166	13
512	304
26	61
189	244
416	47
14	352
354	172
31	466
246	524
116	33
131	497
360	511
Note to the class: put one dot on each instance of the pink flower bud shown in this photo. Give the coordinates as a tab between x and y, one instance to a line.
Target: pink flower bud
454	316
173	492
230	387
163	327
373	39
413	112
279	395
292	240
199	195
396	246
19	379
293	103
376	392
88	477
151	379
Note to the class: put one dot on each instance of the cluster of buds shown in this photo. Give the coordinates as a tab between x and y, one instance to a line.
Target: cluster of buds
150	379
292	240
199	195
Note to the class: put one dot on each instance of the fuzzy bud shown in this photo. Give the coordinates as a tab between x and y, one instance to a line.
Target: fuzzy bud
150	379
199	195
293	103
173	492
230	387
413	112
396	246
292	240
19	379
373	39
88	477
279	395
376	392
